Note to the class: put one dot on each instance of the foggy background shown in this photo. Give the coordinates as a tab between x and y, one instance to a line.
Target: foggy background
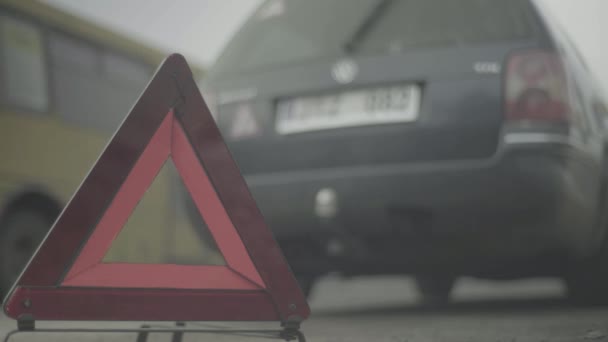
361	308
199	29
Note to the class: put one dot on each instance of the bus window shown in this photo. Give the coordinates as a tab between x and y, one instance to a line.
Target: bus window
23	65
124	70
75	81
123	81
73	54
92	87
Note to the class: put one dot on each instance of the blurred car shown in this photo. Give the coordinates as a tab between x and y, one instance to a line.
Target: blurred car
425	137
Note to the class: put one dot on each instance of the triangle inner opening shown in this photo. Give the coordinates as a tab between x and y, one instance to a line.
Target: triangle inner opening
115	256
165	228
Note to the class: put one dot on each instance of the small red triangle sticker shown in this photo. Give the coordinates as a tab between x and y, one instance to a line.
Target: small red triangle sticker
67	278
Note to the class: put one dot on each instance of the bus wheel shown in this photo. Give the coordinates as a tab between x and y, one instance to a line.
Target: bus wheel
435	290
587	282
20	234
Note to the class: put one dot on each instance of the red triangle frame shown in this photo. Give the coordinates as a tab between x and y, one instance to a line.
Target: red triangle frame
169	141
66	278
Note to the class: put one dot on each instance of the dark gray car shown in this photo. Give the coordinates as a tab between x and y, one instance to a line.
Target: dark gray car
426	137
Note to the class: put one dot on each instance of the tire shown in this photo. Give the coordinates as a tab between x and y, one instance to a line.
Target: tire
435	290
20	234
307	283
587	280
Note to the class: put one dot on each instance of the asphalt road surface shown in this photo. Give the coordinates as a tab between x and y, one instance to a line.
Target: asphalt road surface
386	309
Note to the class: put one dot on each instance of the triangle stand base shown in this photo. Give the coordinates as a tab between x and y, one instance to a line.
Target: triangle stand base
289	331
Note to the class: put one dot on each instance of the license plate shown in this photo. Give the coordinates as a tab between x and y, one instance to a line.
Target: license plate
374	106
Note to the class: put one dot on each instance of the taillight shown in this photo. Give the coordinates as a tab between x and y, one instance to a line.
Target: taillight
536	87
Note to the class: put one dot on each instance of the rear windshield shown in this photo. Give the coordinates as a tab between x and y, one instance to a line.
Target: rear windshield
288	31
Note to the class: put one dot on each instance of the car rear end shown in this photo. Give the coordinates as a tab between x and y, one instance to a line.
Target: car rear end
393	136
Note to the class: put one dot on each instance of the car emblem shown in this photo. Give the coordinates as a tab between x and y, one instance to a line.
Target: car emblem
345	71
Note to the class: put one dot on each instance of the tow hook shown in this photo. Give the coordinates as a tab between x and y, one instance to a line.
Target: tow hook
341	242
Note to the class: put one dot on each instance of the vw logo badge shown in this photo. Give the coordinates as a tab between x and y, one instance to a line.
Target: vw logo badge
345	71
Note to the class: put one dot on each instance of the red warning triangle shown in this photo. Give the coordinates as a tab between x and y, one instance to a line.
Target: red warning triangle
68	279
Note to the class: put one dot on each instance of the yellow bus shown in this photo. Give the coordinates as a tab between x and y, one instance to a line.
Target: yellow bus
65	86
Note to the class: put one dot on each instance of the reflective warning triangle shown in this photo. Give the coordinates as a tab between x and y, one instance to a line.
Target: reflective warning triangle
68	279
244	124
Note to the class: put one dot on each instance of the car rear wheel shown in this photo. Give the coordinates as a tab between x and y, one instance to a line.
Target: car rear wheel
20	234
435	289
307	283
587	281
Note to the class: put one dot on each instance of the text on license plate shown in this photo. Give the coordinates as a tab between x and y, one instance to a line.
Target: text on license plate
352	108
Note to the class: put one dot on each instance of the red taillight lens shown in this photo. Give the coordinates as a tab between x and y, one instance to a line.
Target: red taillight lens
536	87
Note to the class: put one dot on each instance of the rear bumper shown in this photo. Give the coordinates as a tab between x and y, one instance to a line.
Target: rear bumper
530	199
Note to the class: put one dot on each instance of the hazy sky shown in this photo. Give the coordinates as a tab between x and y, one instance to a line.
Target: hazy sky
199	28
196	28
